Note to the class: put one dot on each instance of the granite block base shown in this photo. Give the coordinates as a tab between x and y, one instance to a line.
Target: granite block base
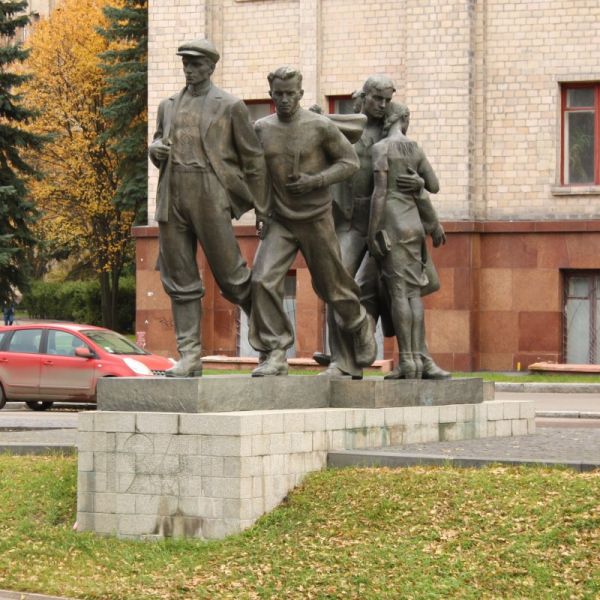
151	475
227	393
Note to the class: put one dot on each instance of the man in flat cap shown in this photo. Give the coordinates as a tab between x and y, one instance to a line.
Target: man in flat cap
212	169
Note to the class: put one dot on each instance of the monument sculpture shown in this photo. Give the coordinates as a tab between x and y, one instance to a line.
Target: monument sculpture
305	153
397	237
351	211
212	169
206	457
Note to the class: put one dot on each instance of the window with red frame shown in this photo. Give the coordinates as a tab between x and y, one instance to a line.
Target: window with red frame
259	108
580	163
341	105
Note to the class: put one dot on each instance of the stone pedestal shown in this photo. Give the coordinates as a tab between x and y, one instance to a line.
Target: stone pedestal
153	474
226	393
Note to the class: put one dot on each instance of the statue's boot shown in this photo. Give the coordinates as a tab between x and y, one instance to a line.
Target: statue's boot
187	317
275	364
322	359
365	346
406	369
431	370
334	372
417	357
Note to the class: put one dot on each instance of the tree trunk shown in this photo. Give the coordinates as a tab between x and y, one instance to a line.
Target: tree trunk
114	296
109	295
106	299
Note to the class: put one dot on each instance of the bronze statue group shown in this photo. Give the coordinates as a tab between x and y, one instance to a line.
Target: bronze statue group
351	194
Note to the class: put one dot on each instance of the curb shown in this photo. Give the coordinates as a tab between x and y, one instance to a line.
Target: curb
567	414
352	458
23	449
7	595
549	388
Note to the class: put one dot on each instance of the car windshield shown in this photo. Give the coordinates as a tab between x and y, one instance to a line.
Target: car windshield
112	342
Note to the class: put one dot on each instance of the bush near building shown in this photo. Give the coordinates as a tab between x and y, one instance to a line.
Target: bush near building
79	301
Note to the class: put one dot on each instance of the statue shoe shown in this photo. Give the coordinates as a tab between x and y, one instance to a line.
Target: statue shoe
365	346
322	359
334	372
275	364
189	365
406	369
418	366
395	373
432	371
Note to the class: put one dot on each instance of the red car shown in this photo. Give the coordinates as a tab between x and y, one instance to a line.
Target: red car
41	363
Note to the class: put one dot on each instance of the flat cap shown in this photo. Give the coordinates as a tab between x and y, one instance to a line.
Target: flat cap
199	47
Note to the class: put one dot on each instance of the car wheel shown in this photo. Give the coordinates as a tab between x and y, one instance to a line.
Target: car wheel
39	405
2	398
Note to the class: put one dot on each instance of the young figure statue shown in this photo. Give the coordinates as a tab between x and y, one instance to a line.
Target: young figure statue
397	238
305	153
351	210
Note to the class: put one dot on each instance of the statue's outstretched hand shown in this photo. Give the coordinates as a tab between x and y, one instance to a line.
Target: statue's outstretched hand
412	183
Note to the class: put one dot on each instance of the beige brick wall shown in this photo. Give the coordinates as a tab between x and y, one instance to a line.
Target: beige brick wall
530	47
356	44
438	69
481	78
257	37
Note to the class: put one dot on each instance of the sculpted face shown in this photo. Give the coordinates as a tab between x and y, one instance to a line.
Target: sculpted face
197	69
404	123
286	94
376	101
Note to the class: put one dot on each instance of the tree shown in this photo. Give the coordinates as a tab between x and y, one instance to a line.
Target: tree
81	167
17	213
126	66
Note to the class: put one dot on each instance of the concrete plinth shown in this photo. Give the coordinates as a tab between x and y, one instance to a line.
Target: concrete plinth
159	474
226	393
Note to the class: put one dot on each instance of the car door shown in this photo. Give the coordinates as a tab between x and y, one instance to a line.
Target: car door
20	364
65	376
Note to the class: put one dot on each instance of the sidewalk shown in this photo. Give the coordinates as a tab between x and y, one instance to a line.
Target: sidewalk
576	448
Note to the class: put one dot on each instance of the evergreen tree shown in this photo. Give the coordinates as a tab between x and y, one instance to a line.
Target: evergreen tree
17	214
126	67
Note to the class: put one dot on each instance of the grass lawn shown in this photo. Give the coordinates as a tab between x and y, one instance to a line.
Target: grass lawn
516	377
355	533
527	377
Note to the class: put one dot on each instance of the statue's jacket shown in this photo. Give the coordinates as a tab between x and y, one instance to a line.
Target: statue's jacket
232	148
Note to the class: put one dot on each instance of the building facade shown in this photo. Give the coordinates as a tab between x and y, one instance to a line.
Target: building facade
504	99
37	9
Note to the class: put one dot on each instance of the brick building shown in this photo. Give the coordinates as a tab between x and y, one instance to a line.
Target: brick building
505	100
37	9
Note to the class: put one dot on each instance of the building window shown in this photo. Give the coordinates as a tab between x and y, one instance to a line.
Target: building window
582	317
341	105
260	108
580	163
289	306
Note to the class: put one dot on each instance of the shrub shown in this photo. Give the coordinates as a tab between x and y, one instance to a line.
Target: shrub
79	301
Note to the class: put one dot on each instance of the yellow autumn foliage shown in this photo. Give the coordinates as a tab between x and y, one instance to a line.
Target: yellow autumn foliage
79	172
